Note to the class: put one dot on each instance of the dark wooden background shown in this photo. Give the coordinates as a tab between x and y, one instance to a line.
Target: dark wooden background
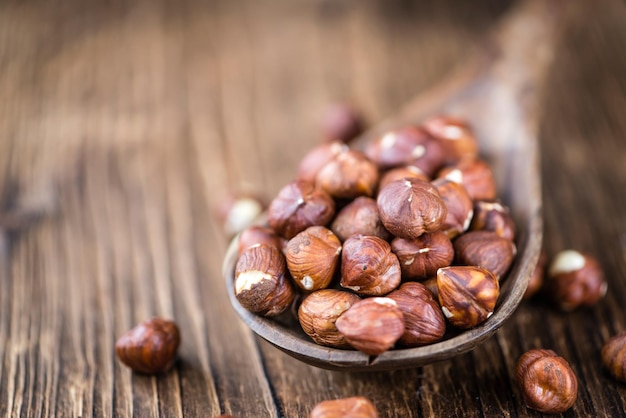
123	125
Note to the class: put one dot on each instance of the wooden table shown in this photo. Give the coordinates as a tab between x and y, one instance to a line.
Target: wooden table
122	127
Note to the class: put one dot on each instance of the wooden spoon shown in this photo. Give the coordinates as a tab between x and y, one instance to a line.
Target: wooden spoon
497	91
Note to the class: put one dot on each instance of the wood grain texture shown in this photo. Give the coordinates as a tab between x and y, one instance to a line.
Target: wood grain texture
122	126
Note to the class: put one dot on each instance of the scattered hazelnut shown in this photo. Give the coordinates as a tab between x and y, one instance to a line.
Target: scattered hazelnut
397	147
467	294
317	158
410	207
547	381
494	217
368	267
400	173
359	217
458	204
257	234
298	206
355	407
456	137
239	212
423	320
475	176
150	347
421	257
536	280
312	257
614	356
347	175
261	285
319	311
575	280
372	325
485	249
342	122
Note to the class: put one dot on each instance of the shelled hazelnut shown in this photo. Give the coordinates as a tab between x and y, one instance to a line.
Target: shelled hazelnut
485	249
614	356
456	137
257	234
354	407
359	217
317	158
494	217
475	175
421	257
399	173
341	122
347	175
397	147
459	206
575	280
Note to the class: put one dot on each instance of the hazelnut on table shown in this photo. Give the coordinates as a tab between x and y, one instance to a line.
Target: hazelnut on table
614	356
354	407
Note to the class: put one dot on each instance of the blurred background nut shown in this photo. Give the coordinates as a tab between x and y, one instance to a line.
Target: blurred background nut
410	207
341	122
458	204
536	280
485	249
359	217
261	285
298	206
398	147
368	267
236	213
421	257
372	325
475	175
399	173
467	294
354	407
150	347
547	381
319	311
347	175
423	320
575	280
312	257
456	137
258	234
317	158
614	356
494	217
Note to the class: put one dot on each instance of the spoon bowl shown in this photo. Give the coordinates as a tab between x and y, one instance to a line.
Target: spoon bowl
497	91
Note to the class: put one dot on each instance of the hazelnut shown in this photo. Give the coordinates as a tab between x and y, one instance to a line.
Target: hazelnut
368	267
342	122
150	347
575	280
410	207
319	311
423	320
467	294
485	249
536	280
475	176
458	204
372	325
261	284
298	206
257	234
494	217
317	158
239	212
397	147
312	257
354	407
347	175
423	256
399	173
614	356
456	137
360	217
547	381
431	284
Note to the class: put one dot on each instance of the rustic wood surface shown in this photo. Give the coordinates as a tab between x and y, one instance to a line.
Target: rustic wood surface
123	125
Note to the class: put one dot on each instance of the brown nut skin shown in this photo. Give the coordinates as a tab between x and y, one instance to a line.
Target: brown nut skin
485	249
476	176
368	267
410	207
341	122
431	284
575	280
423	320
547	381
421	257
372	325
458	204
238	212
494	217
467	294
318	313
614	356
258	234
312	257
399	173
298	206
150	347
397	147
347	175
261	282
359	217
354	407
536	280
455	135
317	158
